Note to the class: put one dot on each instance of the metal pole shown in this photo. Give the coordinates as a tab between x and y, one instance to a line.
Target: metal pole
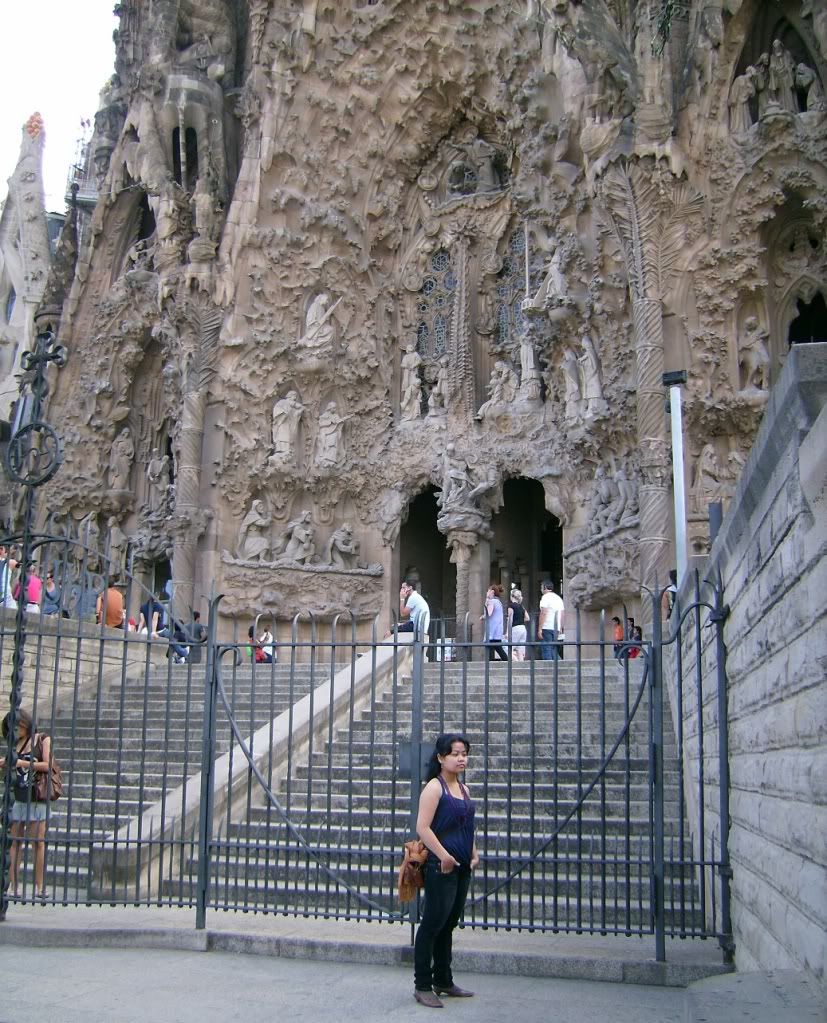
205	812
725	868
656	754
678	480
416	748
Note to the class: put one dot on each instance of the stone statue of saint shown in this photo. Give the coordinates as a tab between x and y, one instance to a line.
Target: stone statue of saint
118	543
440	392
157	472
592	387
300	535
753	357
120	461
410	405
742	91
287	413
254	536
573	393
781	80
342	548
329	438
709	481
319	331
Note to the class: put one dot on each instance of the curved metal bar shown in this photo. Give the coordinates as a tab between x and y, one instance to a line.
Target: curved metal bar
277	806
527	862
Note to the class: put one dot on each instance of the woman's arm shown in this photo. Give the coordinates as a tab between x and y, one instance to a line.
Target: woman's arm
428	802
46	752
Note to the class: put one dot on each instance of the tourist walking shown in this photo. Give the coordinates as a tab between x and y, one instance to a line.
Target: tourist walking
32	753
517	617
445	824
551	621
493	616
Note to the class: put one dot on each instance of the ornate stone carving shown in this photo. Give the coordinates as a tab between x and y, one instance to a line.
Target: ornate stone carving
410	406
120	461
753	359
329	439
286	419
254	534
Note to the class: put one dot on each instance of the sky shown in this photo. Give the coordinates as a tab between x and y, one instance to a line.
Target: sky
55	56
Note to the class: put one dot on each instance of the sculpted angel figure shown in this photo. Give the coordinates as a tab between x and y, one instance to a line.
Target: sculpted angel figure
253	536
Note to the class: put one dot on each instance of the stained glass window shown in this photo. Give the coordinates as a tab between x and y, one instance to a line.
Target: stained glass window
436	297
511	288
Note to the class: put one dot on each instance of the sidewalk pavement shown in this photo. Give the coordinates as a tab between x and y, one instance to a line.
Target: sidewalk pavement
119	965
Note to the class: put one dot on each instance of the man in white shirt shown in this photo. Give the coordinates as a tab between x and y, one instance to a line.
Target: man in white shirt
552	610
414	607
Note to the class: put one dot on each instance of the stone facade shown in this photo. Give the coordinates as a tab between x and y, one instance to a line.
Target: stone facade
376	287
770	554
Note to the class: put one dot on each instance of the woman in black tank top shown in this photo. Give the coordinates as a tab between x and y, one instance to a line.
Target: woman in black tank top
445	823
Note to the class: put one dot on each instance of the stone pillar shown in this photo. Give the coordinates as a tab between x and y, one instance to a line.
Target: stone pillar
187	506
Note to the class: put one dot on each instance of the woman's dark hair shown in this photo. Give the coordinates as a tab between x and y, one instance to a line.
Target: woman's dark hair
498	590
251	632
23	718
442	747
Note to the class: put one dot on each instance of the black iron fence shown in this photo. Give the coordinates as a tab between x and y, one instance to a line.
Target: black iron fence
289	785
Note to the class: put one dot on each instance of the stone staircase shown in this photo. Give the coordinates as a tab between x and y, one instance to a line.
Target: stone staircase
130	743
351	808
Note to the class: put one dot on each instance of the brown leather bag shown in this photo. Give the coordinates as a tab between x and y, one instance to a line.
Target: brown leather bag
48	785
411	870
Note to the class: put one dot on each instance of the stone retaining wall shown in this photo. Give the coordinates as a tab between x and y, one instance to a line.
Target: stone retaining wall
770	556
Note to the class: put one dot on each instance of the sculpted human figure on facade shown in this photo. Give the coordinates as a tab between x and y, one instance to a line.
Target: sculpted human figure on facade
604	507
118	544
807	79
299	540
329	438
742	91
410	406
502	390
120	460
753	357
781	78
592	387
342	548
254	534
319	331
287	414
573	390
158	475
709	482
439	397
208	215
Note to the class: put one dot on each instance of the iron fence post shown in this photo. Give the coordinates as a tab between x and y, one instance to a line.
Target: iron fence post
725	868
418	652
205	810
656	753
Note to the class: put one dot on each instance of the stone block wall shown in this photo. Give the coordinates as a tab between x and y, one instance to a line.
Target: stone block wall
770	556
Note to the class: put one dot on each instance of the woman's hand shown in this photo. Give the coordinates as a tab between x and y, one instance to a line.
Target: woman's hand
475	859
447	864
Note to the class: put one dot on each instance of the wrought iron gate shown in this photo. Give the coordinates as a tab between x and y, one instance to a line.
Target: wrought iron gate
290	786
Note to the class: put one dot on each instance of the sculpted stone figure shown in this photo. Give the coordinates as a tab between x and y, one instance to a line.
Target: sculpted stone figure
319	331
439	396
573	393
254	535
592	387
411	401
120	461
118	544
342	549
781	78
287	414
459	500
742	91
329	438
709	483
806	78
300	543
157	472
753	357
502	389
604	509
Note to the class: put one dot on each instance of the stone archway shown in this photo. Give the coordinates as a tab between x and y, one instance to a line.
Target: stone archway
527	545
422	548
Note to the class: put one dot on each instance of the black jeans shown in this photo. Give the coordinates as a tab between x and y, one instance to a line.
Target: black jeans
444	902
495	646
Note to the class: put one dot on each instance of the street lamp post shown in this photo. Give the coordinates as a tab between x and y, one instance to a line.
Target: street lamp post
673	381
34	455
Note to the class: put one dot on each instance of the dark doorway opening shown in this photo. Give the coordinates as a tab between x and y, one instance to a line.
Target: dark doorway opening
423	555
528	542
811	322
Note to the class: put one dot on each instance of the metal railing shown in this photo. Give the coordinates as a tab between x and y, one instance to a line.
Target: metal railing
290	787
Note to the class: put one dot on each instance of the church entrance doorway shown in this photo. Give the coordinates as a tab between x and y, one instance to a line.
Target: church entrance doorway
423	555
528	542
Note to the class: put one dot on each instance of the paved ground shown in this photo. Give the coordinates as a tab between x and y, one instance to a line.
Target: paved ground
121	986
